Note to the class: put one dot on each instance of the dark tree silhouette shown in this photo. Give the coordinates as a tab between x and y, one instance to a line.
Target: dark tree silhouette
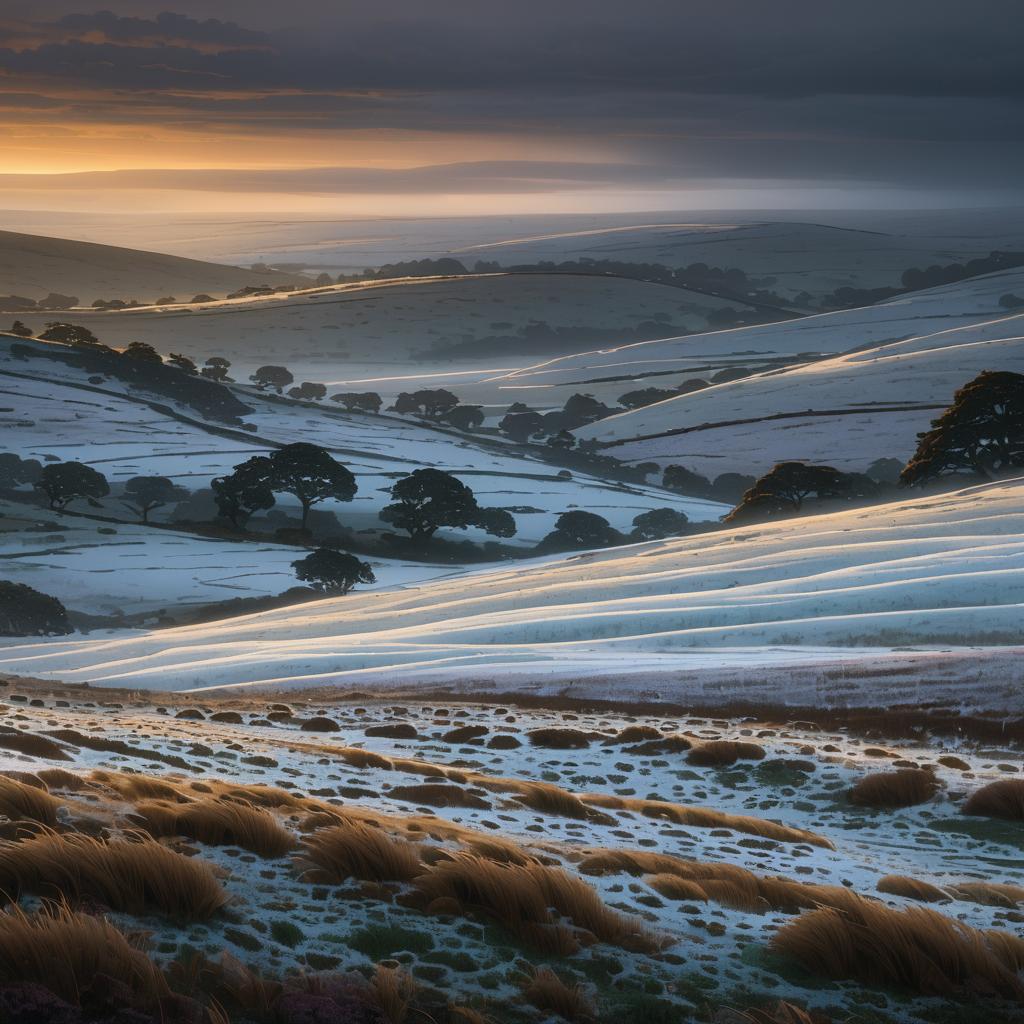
685	481
405	404
182	363
645	396
426	402
165	300
276	377
428	499
659	523
563	441
521	426
981	433
885	471
333	572
730	487
585	409
786	486
578	530
216	368
15	471
63	482
464	417
356	401
245	491
310	474
68	334
143	352
308	391
202	297
26	612
142	494
21	330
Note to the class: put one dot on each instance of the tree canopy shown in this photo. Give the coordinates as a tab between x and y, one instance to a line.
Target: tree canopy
578	530
63	482
333	572
981	433
143	494
428	499
245	491
359	401
276	377
68	334
659	523
25	611
787	485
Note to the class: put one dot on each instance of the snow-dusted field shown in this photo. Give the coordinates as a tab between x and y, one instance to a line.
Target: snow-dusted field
940	572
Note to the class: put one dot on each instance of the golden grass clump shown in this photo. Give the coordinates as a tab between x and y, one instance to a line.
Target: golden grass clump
912	889
1002	799
673	887
917	949
718	753
521	898
21	802
34	746
219	823
352	849
633	734
1008	947
990	894
902	788
708	817
140	787
136	876
65	952
61	778
559	738
547	992
392	991
434	794
551	799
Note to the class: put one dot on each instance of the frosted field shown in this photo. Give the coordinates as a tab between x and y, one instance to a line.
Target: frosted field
54	415
939	572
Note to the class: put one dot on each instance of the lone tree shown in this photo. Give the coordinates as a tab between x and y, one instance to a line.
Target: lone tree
63	482
142	494
578	530
659	523
310	474
787	485
68	334
428	499
464	417
216	368
26	612
245	491
359	401
333	572
981	433
276	377
143	352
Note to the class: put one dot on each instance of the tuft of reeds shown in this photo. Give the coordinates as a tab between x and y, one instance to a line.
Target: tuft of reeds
218	823
1002	799
66	952
61	778
136	876
912	889
916	949
551	799
352	849
547	992
521	897
902	788
22	802
392	991
719	753
991	894
139	787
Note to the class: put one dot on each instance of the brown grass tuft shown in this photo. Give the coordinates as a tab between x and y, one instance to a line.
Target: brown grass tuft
21	802
547	992
61	778
911	888
718	753
550	799
781	1013
633	734
136	877
559	738
916	948
673	887
902	788
359	758
1008	947
65	952
219	823
521	898
434	794
392	991
34	746
1002	799
991	894
352	849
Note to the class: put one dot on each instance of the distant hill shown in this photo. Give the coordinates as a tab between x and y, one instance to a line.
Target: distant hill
33	266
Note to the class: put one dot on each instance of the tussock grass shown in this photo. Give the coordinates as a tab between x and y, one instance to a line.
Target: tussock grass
61	778
551	799
559	738
136	876
917	949
438	795
392	991
1002	799
34	746
912	889
708	817
991	894
139	787
352	849
359	758
22	802
781	1013
633	734
219	823
547	992
521	897
66	952
670	744
719	753
1009	948
902	788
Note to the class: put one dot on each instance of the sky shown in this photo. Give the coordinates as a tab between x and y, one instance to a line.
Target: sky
463	106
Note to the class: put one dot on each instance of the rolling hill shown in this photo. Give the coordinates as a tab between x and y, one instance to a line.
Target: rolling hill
36	265
934	574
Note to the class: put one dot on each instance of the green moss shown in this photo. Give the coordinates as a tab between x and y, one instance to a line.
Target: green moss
383	941
286	933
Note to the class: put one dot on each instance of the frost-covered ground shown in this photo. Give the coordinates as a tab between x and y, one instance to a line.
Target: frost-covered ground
938	573
456	778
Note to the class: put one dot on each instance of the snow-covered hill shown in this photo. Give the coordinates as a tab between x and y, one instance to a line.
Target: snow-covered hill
758	602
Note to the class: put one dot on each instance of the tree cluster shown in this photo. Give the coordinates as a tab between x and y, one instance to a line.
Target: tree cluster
787	486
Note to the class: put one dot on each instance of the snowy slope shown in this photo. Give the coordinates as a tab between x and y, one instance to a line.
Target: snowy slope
945	570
